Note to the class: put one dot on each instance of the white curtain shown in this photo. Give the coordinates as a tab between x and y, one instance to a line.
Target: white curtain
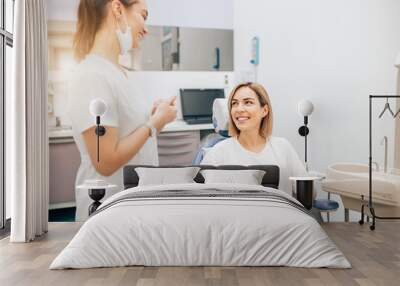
27	139
397	135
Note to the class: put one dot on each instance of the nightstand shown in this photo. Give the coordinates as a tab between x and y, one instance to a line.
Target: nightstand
304	189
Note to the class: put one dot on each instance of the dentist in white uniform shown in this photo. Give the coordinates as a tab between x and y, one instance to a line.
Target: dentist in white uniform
106	29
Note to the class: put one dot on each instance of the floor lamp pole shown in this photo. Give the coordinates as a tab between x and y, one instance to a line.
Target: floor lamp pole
305	141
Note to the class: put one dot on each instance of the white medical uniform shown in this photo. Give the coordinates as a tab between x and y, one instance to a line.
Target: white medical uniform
278	151
96	77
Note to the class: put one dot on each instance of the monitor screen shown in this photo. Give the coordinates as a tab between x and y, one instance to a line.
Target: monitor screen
199	102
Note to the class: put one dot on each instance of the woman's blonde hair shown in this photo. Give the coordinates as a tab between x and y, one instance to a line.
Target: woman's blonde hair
263	98
90	17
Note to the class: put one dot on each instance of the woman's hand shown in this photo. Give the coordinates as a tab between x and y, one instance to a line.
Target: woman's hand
163	112
155	105
170	101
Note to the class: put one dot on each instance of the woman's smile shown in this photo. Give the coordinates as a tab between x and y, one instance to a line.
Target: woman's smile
242	119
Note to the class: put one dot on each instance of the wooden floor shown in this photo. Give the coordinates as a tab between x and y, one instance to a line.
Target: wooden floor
375	257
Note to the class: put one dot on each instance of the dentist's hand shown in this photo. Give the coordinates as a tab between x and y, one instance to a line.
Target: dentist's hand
165	112
155	105
170	101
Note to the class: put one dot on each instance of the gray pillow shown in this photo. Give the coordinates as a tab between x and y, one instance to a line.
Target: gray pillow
166	176
248	177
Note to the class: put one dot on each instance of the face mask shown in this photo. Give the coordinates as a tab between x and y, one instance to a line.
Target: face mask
124	39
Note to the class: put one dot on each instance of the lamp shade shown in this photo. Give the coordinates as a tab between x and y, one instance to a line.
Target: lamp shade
305	107
397	62
97	107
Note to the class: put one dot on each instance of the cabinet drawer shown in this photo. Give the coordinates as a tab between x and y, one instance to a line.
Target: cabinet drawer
179	160
63	167
178	148
184	135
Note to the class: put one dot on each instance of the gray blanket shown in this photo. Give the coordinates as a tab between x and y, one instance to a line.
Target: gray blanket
207	194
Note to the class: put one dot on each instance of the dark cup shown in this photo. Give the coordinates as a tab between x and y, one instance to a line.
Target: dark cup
304	192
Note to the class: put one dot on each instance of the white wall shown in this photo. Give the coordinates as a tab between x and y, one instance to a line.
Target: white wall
334	53
191	13
186	13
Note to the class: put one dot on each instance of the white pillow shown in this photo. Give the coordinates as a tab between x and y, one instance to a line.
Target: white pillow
166	176
248	177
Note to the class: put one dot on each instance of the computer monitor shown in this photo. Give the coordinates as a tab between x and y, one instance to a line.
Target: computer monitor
197	104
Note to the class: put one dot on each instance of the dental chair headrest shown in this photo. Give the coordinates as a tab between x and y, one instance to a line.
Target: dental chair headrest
221	116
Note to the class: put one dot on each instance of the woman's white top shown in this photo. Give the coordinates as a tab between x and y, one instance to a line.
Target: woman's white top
96	77
277	151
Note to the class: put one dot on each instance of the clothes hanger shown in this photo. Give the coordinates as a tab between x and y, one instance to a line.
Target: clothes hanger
387	107
397	113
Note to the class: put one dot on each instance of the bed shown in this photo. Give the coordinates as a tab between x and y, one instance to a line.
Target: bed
198	224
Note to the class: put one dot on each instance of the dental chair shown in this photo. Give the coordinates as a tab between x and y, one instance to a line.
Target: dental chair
220	120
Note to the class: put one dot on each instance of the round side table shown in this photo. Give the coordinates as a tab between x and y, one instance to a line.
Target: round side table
96	195
304	189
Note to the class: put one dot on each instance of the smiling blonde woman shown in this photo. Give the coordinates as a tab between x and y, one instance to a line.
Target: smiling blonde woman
252	143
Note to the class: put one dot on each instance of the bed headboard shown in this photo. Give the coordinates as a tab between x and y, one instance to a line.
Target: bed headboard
270	179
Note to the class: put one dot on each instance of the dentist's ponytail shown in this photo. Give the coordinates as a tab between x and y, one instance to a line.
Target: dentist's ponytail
91	14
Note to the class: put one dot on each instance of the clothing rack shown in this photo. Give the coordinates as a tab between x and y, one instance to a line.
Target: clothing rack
370	201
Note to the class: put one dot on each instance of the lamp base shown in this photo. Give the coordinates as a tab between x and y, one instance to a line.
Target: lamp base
96	195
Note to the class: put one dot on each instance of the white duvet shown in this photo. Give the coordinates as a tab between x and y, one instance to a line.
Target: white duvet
200	231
